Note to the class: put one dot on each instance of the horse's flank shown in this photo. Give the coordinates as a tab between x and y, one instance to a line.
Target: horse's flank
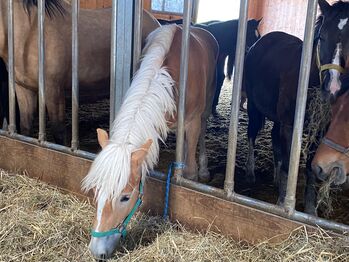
142	116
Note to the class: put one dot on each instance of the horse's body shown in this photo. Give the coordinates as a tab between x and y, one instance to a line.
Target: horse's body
226	36
271	79
147	114
331	161
94	58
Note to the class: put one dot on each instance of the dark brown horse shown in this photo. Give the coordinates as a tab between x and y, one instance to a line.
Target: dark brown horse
271	81
149	109
332	156
226	36
94	56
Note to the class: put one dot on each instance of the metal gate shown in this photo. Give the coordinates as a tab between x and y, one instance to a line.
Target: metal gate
125	52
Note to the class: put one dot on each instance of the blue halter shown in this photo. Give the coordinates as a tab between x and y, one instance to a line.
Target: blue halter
121	229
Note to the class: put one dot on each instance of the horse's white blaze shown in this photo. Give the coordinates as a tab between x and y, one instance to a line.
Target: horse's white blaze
342	23
100	206
335	84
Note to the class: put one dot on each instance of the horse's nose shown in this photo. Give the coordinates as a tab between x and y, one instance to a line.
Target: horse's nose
320	174
340	175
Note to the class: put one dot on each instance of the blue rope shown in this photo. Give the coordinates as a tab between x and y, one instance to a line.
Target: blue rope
177	165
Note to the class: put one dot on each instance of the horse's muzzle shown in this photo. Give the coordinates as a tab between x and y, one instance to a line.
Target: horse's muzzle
324	173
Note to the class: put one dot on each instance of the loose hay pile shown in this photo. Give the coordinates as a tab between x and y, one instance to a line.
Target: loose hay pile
38	223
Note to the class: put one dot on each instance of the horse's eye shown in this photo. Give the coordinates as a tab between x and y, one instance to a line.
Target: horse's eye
125	198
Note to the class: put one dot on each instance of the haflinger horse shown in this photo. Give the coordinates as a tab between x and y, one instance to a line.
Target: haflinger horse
147	114
332	156
94	57
271	80
226	36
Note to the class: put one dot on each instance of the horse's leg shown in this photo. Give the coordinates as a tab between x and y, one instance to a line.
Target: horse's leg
275	136
255	123
220	79
192	133
27	102
204	174
285	142
55	103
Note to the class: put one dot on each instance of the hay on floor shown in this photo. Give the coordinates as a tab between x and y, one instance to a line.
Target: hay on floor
39	223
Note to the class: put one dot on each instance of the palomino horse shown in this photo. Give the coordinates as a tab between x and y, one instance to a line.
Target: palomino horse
226	36
94	57
332	156
271	79
148	111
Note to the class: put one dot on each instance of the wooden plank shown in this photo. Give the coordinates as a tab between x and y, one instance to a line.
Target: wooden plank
195	210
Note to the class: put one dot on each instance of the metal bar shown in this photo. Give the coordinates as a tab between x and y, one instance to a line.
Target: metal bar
290	199
41	48
113	64
195	11
236	96
75	74
137	33
45	144
188	6
257	204
11	72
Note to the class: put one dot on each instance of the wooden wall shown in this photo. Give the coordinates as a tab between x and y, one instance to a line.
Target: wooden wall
281	15
95	4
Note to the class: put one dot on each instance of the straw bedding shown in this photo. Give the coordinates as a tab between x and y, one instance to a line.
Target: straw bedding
39	223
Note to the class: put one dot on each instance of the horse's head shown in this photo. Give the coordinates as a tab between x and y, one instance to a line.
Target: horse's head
113	216
332	48
252	32
333	153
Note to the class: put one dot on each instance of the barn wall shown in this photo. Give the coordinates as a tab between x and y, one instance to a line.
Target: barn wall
281	15
95	4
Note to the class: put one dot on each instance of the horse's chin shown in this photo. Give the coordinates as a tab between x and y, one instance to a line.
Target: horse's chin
104	247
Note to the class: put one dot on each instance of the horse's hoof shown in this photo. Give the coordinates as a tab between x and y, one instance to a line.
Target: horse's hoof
204	177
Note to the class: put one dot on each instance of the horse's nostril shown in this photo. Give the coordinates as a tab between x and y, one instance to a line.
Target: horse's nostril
317	170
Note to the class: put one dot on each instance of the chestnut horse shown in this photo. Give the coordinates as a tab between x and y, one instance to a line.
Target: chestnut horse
94	57
146	115
332	156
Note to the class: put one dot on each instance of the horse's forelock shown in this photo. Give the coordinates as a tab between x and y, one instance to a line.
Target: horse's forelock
52	7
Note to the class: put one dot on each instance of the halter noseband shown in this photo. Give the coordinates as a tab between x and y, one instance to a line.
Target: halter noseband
325	67
335	146
121	228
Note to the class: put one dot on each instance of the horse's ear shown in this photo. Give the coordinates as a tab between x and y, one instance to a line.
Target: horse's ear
138	156
324	6
102	136
259	21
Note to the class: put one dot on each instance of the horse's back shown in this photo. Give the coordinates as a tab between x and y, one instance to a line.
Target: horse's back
203	51
272	66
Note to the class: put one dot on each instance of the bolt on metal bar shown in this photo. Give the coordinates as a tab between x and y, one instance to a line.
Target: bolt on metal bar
11	71
75	74
237	83
188	5
41	48
113	64
303	82
137	33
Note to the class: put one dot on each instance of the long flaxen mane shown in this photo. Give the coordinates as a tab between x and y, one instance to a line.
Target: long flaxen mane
142	116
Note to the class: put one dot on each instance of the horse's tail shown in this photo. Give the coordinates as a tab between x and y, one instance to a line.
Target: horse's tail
142	116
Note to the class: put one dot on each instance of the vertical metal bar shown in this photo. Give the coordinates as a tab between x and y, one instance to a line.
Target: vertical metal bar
11	72
188	5
236	96
113	64
303	82
195	11
75	75
122	57
41	48
137	33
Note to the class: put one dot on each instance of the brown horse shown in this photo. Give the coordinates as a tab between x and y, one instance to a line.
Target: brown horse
148	111
332	156
94	57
